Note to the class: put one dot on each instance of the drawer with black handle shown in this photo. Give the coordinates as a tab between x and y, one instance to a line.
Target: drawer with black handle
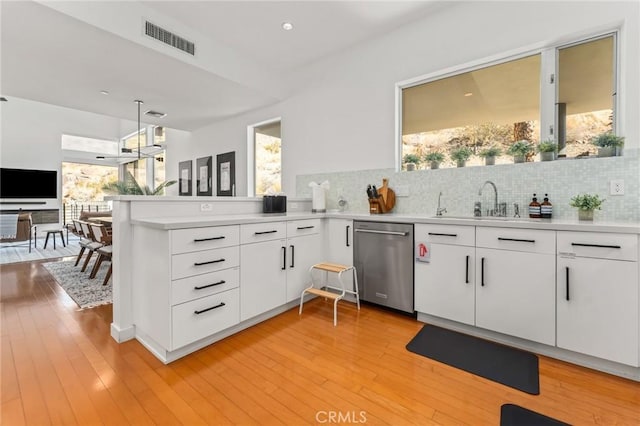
198	239
202	262
197	319
195	287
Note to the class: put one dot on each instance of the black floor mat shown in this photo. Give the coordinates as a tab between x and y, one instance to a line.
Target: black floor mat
513	415
503	364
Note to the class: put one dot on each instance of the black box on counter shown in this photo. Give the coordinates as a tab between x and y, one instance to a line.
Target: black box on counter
274	204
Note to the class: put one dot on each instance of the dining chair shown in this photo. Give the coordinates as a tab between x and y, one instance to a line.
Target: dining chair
91	245
102	234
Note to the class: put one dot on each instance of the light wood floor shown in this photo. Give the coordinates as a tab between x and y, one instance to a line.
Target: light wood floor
60	366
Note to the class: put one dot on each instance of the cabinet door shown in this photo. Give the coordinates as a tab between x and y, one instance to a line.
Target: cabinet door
340	250
598	308
302	253
444	287
263	284
515	293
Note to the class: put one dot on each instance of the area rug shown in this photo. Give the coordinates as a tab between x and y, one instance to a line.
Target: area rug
86	292
503	364
514	415
19	252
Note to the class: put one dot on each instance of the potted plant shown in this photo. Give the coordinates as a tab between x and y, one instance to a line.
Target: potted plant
434	158
489	154
586	204
607	144
129	186
519	150
461	155
411	161
547	150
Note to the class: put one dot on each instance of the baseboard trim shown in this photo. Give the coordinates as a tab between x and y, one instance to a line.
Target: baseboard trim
122	334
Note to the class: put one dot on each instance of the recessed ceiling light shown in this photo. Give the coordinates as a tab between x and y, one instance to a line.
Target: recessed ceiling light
104	92
287	26
468	94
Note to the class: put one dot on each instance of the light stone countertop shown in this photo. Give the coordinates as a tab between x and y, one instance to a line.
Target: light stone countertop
169	223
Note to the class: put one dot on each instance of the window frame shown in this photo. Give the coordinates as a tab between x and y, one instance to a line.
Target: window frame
251	153
548	52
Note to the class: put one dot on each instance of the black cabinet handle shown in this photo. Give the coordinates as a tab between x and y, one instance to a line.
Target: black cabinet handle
209	309
284	258
347	234
293	256
567	282
595	245
209	262
199	240
516	239
201	287
305	227
442	235
482	272
466	279
266	232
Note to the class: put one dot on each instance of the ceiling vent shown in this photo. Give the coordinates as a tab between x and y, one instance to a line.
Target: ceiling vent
155	114
169	38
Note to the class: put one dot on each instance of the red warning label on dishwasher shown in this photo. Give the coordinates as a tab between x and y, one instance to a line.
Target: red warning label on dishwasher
423	252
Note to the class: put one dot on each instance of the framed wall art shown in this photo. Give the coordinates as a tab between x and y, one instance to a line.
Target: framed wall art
185	178
204	181
226	176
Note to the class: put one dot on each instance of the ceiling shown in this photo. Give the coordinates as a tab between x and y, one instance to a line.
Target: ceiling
56	58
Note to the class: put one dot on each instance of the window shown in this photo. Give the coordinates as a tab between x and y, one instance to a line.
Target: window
265	159
497	104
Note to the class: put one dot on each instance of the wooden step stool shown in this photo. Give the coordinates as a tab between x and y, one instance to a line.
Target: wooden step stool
322	291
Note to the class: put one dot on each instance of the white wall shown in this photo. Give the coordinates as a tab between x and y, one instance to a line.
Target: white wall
345	120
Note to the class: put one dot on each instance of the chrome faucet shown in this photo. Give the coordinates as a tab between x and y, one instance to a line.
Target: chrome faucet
495	211
440	210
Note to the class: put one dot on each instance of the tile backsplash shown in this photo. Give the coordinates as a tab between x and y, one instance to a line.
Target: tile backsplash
516	183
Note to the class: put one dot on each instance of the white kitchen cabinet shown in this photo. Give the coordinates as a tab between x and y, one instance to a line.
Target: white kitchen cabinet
597	295
444	285
262	268
515	282
339	249
304	245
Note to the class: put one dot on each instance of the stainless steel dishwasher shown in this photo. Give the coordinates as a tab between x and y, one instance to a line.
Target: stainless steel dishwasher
384	262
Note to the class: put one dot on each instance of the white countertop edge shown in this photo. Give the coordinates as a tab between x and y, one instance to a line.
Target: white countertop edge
198	199
169	223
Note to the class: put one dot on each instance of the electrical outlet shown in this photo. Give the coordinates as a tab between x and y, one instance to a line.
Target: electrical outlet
616	187
206	207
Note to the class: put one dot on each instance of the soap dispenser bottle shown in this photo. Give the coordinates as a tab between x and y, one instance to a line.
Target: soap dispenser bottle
534	208
546	209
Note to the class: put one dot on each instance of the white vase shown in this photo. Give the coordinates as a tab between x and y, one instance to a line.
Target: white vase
585	214
606	151
547	156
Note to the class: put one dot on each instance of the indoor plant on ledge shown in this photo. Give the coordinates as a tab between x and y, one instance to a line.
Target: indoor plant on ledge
607	144
586	204
547	150
519	150
434	159
490	155
461	155
129	186
411	161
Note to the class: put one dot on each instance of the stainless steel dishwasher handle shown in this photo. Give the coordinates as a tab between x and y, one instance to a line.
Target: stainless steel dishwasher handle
369	231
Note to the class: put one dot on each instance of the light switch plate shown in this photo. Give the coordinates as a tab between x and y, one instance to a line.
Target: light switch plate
616	187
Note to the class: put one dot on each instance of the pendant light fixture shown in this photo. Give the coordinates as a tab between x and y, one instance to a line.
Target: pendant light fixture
125	150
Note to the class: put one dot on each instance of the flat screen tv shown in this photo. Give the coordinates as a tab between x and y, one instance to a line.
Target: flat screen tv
26	183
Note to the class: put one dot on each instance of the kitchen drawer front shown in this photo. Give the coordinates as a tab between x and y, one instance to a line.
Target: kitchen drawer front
445	234
202	262
515	239
297	228
256	232
196	239
198	286
598	245
203	317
